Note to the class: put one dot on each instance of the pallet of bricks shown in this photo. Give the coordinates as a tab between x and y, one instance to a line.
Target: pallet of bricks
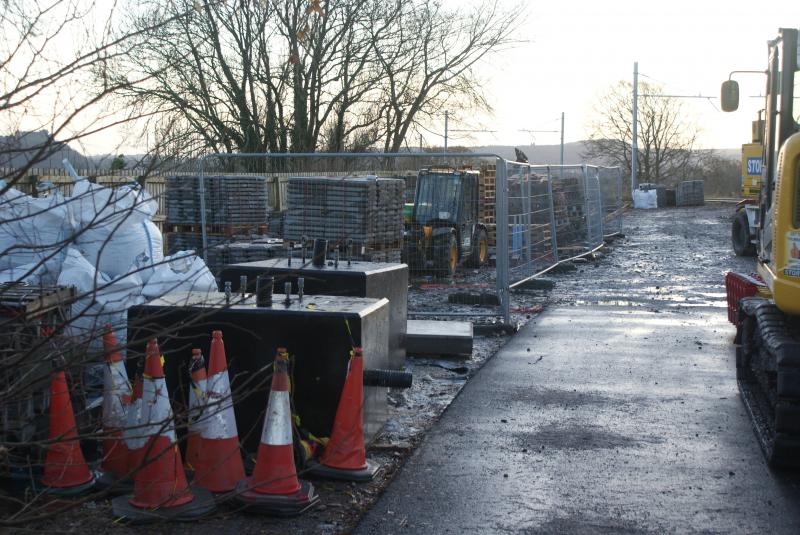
27	359
235	205
366	211
568	210
487	199
690	193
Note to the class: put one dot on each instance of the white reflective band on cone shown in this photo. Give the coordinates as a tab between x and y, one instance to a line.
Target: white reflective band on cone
278	422
197	401
218	420
115	388
134	438
156	411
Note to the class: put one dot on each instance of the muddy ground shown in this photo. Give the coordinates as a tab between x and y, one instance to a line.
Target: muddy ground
662	271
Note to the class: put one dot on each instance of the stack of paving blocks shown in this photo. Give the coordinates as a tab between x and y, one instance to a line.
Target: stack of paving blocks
366	210
234	204
690	193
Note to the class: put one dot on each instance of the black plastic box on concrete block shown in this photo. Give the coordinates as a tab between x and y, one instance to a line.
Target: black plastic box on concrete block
318	332
359	279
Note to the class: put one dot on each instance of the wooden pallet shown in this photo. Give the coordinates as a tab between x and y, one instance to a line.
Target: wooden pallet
491	231
217	230
27	302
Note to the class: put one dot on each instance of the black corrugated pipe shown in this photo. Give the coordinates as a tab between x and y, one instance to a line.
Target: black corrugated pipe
390	378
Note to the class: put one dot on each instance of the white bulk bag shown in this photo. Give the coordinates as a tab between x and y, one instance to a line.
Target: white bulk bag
645	199
33	230
182	272
100	299
115	227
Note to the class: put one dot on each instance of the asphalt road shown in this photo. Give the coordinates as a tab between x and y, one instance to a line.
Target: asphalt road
616	411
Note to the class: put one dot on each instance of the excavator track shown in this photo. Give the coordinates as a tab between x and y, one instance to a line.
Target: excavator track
768	373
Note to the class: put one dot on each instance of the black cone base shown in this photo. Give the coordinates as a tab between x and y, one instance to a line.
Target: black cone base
202	504
115	485
66	492
359	476
276	504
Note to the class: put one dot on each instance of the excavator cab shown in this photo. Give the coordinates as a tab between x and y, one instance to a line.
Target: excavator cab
437	199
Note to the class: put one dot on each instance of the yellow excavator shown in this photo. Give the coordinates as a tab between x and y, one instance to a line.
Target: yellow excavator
766	306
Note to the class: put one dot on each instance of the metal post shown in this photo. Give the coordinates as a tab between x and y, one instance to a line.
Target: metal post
599	205
586	206
527	217
201	178
561	162
635	137
501	219
445	131
553	235
619	199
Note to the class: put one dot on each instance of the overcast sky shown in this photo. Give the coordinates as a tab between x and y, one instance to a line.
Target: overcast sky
578	48
575	49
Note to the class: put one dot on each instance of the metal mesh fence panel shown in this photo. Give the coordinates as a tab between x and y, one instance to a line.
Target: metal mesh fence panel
569	210
610	179
554	213
530	222
593	208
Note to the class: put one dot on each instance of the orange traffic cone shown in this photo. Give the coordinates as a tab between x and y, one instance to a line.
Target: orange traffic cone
134	439
160	490
197	395
345	456
274	488
219	468
65	469
116	400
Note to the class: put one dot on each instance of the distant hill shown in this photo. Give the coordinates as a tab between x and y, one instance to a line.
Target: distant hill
18	149
550	154
545	154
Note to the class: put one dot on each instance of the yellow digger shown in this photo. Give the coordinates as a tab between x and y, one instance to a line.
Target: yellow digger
766	307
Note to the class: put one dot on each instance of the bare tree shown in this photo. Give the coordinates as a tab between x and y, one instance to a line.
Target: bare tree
252	76
428	59
54	91
666	136
722	175
53	77
305	75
